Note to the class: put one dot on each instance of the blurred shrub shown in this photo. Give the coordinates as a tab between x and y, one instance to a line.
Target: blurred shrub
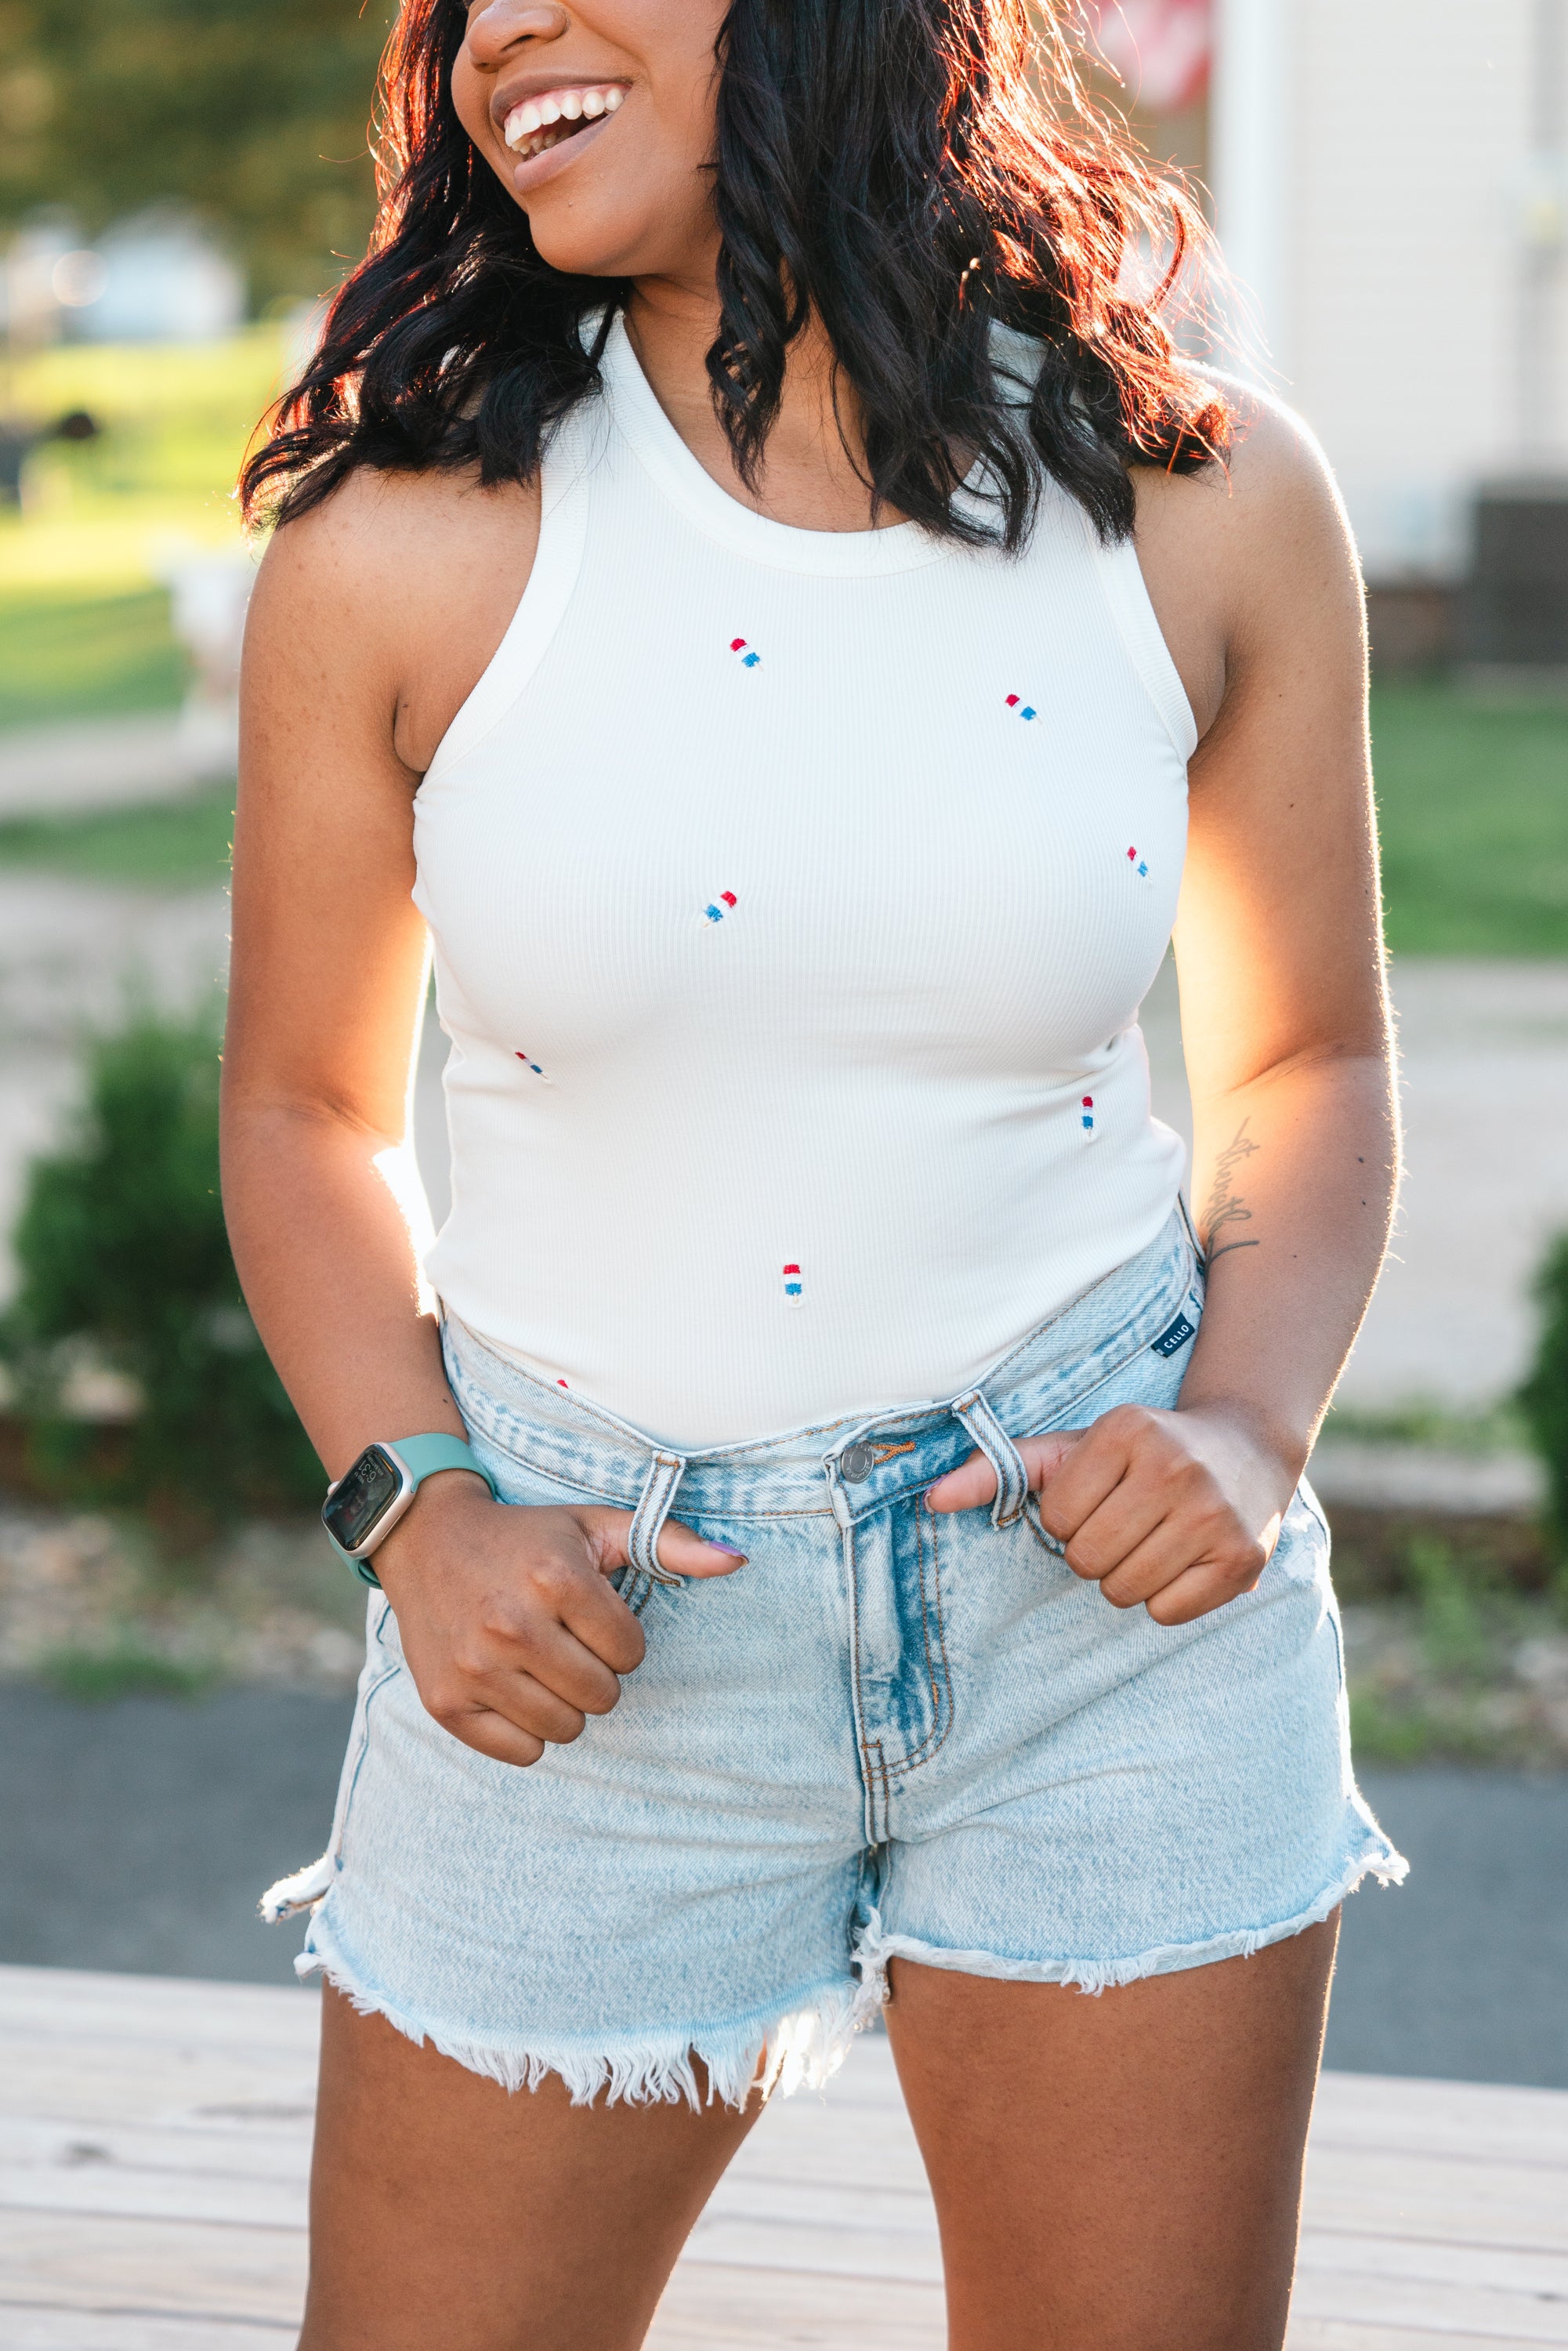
122	1253
1545	1395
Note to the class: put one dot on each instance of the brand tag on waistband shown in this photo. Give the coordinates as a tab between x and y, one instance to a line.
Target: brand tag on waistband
1175	1335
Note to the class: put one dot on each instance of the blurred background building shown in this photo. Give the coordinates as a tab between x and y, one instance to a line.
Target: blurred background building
1389	178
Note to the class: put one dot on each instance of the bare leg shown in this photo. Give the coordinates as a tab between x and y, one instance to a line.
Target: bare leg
445	2211
1120	2173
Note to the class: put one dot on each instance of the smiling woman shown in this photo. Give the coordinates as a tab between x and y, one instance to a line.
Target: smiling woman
758	589
907	189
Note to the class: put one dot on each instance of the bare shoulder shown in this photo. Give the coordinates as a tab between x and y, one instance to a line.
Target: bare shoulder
402	586
1242	552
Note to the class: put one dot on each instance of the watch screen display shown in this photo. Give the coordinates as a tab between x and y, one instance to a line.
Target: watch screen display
351	1514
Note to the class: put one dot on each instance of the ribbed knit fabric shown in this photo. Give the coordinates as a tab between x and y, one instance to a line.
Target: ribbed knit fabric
793	895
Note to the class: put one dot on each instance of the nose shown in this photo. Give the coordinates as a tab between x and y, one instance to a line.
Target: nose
494	32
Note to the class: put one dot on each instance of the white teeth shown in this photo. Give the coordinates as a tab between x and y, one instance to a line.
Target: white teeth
530	126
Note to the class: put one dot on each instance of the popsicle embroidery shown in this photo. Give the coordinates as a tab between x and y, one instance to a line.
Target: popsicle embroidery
1086	1117
793	1289
530	1064
717	908
1023	708
748	659
1137	865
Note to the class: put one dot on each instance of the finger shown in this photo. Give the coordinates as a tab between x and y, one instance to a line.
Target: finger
491	1734
524	1701
1109	1535
965	1488
678	1549
1201	1589
1081	1480
975	1482
558	1657
594	1614
1149	1566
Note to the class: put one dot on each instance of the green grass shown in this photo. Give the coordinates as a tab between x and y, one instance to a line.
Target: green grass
166	844
1502	1428
64	653
126	1666
1473	799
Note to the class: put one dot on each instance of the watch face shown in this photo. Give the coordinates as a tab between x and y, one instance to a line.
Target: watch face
353	1511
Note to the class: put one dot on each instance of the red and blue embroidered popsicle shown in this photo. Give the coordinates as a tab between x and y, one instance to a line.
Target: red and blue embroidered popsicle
794	1292
528	1062
1086	1117
715	911
748	659
1023	708
1137	865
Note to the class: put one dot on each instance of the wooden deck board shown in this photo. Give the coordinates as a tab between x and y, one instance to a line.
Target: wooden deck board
155	2139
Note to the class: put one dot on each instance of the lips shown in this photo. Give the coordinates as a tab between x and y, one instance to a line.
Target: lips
551	116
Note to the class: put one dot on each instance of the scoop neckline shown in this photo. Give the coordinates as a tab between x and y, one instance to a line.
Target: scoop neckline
653	440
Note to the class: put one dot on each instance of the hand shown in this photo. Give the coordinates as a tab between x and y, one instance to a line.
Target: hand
508	1625
1179	1511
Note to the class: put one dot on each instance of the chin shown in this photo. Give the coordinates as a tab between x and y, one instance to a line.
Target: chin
585	237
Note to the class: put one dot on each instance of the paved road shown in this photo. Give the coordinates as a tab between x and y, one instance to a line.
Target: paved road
137	1835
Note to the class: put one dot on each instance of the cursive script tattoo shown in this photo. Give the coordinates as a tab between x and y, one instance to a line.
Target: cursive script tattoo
1226	1204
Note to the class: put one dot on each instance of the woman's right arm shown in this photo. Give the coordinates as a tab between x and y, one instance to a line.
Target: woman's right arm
371	620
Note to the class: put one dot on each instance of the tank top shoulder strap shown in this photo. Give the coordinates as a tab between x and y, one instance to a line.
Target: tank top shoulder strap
566	477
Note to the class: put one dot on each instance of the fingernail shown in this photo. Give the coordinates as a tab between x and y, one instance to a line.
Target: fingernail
728	1548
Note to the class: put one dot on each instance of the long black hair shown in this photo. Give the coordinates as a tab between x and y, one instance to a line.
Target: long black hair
910	170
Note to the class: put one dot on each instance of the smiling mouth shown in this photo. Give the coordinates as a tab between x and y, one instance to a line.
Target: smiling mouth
535	124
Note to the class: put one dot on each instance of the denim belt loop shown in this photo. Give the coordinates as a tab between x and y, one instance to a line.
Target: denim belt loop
664	1475
1012	1478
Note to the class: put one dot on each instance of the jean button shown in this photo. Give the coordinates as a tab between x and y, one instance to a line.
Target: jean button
856	1463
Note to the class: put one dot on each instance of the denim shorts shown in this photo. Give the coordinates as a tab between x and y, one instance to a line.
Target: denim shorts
889	1734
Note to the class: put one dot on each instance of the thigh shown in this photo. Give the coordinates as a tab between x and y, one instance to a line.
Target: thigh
445	2209
1120	2172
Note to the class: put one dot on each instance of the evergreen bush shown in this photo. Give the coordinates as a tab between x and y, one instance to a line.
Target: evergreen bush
122	1251
1544	1394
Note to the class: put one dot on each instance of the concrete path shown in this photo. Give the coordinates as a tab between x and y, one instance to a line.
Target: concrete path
102	763
1486	1092
1484	1064
138	1836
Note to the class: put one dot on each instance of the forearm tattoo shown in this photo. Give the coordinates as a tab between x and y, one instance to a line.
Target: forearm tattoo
1226	1207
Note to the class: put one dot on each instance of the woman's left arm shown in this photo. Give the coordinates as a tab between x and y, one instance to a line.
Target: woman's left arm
1286	1028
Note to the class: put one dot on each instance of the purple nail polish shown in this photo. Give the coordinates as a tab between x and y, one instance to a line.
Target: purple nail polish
728	1548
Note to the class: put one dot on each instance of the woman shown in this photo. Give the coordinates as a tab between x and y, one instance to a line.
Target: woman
753	576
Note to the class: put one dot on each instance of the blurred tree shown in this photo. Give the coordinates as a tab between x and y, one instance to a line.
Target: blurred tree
255	115
120	1246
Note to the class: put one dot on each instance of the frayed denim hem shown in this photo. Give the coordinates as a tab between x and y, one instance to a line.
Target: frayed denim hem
802	2046
874	1947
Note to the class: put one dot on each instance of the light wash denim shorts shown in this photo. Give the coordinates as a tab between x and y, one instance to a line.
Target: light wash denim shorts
889	1734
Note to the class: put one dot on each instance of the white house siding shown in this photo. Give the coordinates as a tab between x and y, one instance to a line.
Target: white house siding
1371	163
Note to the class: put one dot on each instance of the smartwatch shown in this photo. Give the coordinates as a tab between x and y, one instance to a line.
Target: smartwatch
366	1503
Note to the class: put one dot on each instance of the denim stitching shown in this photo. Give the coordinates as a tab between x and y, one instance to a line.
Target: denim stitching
938	1734
847	1542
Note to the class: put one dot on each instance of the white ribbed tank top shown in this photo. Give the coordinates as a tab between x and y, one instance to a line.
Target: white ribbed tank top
793	895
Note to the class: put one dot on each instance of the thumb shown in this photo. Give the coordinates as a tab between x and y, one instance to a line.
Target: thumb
677	1549
1042	1457
975	1482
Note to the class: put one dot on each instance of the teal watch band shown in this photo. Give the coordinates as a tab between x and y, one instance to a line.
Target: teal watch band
407	1462
426	1455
